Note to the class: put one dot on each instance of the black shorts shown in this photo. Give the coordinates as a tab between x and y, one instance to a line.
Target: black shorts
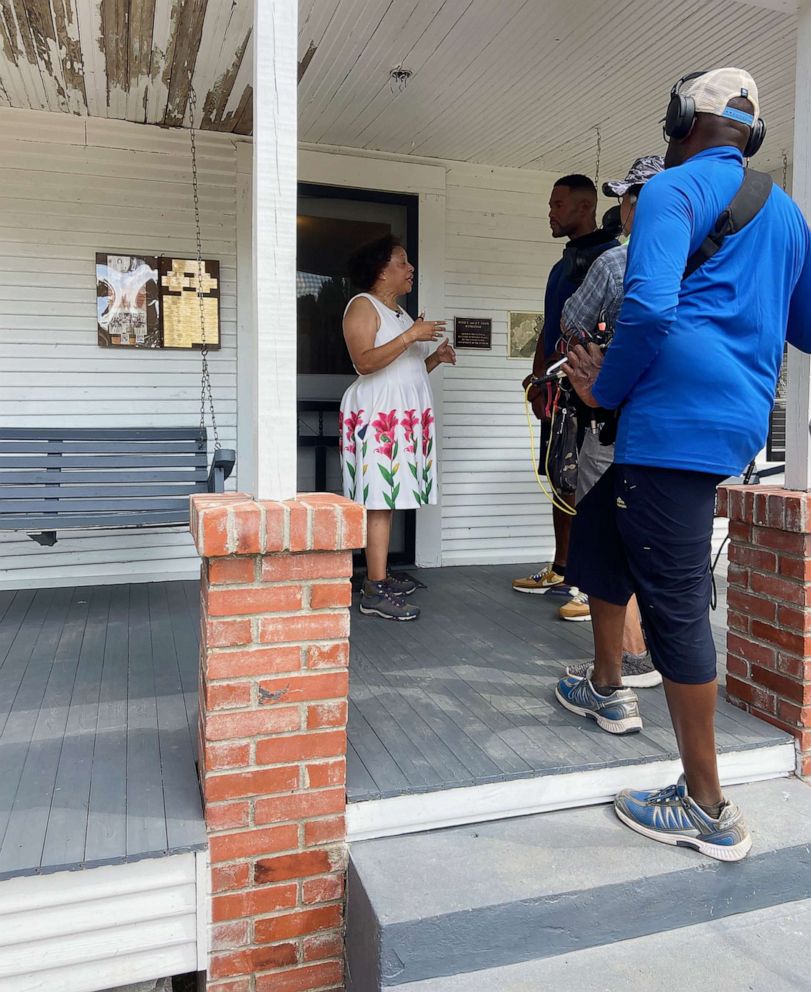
648	531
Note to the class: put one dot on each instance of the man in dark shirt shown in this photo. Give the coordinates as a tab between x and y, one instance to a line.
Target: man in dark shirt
572	215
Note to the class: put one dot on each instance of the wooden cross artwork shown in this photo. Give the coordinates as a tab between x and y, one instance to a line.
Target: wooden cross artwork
180	303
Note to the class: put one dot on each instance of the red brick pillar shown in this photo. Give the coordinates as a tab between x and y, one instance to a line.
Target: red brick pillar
769	608
275	598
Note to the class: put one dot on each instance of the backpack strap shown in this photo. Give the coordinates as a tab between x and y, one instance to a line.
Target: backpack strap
746	204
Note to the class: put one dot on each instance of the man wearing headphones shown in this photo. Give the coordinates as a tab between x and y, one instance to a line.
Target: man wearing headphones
693	365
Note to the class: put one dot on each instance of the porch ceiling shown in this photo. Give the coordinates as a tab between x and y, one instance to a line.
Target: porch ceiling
523	83
130	59
516	83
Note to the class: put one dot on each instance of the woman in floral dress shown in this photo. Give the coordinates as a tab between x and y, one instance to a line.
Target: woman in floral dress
388	453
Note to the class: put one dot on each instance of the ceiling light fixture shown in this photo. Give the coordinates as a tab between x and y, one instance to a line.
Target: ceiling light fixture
399	77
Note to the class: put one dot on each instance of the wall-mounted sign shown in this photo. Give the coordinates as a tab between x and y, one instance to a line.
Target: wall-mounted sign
145	301
523	330
180	303
127	309
473	332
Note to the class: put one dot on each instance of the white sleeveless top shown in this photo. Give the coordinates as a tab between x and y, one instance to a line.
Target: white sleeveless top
387	446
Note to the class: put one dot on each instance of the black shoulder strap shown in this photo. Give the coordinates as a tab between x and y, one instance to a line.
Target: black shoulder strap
747	202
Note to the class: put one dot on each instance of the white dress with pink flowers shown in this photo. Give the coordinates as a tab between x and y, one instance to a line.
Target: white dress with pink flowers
386	425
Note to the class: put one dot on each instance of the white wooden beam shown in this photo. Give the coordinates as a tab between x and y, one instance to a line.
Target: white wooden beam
274	246
798	399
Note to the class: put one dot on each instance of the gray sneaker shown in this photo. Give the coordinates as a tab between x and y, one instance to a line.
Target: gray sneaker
672	817
400	586
378	600
637	671
617	713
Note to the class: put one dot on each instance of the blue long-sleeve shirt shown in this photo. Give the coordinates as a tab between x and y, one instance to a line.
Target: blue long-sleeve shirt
694	364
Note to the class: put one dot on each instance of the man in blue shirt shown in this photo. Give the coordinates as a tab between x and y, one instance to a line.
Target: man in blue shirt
572	215
693	366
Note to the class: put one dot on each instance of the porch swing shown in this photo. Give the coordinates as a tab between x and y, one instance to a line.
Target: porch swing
80	478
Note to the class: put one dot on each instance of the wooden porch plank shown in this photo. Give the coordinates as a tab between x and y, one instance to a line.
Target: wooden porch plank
433	702
22	690
184	600
181	793
363	785
435	641
67	823
389	778
506	672
393	657
12	621
442	759
6	599
28	822
145	820
107	816
419	772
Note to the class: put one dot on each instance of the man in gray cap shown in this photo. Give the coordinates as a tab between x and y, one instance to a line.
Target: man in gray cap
591	315
693	364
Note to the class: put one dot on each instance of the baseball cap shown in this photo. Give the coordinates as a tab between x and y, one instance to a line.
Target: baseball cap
641	171
713	90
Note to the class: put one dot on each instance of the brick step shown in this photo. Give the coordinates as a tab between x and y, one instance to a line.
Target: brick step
536	888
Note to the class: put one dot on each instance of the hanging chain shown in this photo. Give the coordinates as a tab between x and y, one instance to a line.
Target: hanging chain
599	150
785	171
205	380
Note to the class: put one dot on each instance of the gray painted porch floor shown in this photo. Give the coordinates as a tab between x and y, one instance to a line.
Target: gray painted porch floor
98	710
465	695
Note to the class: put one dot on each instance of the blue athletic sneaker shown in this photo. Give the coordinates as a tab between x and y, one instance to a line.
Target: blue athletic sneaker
672	817
617	713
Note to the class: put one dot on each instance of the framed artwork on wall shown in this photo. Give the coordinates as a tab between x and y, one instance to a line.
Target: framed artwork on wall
127	307
180	304
523	330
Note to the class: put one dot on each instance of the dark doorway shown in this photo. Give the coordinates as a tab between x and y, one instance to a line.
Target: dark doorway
332	222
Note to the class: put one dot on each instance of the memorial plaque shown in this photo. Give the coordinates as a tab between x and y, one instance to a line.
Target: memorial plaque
473	332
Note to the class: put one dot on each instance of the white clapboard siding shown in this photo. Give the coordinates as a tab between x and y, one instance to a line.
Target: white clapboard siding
71	187
499	253
82	931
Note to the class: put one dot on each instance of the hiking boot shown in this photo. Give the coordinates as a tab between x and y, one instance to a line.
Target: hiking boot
672	817
576	609
401	586
617	713
637	671
377	600
540	582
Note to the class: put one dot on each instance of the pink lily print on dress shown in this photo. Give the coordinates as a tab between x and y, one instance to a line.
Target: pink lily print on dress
350	424
408	422
427	447
384	427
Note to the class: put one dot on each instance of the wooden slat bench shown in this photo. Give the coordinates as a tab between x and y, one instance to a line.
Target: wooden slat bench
98	477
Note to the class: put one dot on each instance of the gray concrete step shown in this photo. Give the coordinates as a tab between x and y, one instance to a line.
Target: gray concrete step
466	899
763	951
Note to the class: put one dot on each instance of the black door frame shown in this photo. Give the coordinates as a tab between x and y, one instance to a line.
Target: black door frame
411	202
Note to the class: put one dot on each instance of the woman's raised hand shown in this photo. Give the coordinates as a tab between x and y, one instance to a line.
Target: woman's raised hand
425	330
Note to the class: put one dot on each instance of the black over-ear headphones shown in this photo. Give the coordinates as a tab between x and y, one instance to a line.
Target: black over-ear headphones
681	113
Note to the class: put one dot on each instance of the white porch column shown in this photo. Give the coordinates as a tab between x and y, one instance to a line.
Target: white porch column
274	246
798	400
